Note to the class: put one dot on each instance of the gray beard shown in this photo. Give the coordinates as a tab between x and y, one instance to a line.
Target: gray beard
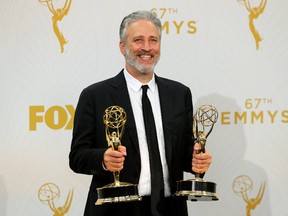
140	67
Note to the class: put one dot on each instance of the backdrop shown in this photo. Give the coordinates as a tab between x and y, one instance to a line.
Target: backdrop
232	54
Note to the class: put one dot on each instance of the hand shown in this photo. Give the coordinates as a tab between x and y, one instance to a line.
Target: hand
114	160
202	161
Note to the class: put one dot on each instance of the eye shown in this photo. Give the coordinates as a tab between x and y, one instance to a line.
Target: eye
137	40
154	40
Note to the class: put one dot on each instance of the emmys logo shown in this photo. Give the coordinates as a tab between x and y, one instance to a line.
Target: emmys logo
49	193
57	16
241	186
169	24
256	111
254	13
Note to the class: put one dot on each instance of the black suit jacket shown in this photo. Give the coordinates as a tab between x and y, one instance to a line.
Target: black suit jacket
89	140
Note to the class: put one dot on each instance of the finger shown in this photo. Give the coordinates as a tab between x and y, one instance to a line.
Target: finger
197	146
122	149
197	149
200	168
113	154
203	156
201	162
114	164
113	160
197	170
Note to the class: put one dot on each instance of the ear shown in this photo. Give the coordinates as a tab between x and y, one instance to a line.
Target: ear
122	48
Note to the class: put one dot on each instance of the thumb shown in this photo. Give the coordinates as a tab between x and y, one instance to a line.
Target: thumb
122	149
197	148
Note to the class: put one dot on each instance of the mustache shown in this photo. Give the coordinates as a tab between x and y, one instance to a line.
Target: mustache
144	52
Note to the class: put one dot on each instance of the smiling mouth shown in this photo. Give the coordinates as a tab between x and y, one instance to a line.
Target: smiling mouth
145	57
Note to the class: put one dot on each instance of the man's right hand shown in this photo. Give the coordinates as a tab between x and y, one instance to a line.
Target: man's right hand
114	160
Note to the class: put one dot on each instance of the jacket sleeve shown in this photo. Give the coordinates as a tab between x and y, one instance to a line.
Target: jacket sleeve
86	154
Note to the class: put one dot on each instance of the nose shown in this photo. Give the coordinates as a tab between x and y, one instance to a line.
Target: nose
146	46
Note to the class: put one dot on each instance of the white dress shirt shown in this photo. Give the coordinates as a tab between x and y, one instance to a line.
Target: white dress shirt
135	93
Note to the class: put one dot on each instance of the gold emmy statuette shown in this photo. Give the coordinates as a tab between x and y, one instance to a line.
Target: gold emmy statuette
48	193
197	189
254	12
241	186
114	119
57	15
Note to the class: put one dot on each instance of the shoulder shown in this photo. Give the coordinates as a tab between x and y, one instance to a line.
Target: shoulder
169	83
104	85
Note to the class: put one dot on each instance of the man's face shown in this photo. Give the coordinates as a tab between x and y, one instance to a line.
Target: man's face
142	46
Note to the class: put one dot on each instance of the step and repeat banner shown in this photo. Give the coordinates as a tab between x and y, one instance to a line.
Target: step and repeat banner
232	54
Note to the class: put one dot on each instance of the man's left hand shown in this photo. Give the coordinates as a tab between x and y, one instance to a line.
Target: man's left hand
202	161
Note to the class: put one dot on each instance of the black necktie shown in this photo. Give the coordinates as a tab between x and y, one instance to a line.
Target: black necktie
157	183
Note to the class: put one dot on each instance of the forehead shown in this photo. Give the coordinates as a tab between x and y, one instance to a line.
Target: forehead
142	28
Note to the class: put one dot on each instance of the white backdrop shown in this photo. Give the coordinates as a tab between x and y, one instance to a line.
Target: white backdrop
207	45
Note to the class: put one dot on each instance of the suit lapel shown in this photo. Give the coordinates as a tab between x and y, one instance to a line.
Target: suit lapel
120	97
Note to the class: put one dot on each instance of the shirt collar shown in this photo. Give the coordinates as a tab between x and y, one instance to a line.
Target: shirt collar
136	85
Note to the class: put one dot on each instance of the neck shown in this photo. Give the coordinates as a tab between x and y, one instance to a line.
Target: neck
141	77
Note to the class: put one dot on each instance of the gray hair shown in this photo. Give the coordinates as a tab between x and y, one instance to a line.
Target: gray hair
135	16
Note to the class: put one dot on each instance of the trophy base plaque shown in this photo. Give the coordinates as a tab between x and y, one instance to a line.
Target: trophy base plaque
196	190
117	192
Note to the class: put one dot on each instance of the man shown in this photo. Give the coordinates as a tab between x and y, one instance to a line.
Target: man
140	37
